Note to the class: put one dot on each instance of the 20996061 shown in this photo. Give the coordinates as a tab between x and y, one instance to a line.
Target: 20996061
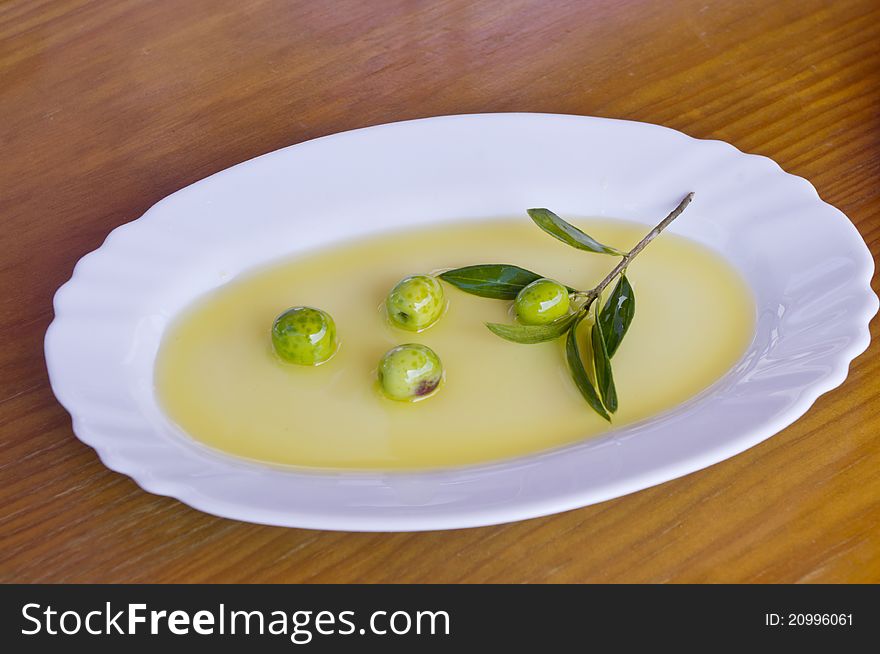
808	619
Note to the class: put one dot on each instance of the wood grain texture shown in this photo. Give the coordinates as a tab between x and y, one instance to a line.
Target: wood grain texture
106	107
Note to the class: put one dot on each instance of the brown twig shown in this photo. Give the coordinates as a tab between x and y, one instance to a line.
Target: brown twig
629	256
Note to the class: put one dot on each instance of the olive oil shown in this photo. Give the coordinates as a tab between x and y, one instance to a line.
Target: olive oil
219	379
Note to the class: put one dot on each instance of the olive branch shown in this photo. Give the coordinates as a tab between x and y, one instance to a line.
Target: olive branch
610	322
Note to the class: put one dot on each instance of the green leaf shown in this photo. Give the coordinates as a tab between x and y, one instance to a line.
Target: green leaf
530	334
602	368
493	280
617	314
579	373
568	233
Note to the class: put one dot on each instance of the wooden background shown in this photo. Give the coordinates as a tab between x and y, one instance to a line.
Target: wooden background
106	107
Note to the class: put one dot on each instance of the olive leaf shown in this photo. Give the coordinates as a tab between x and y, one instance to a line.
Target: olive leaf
579	373
602	367
568	233
493	280
530	334
617	314
500	281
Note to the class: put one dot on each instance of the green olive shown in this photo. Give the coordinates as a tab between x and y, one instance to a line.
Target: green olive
305	336
541	302
410	372
416	303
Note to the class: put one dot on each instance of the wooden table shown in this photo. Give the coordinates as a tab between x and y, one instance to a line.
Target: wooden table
106	107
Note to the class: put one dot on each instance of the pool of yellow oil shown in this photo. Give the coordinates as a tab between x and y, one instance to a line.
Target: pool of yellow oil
217	377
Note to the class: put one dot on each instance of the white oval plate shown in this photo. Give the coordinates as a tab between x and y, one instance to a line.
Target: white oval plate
807	265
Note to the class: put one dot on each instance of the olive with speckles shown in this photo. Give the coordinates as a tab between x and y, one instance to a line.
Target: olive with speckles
415	303
410	372
305	336
541	302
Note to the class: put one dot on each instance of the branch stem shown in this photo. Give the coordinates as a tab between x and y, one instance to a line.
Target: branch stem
629	256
